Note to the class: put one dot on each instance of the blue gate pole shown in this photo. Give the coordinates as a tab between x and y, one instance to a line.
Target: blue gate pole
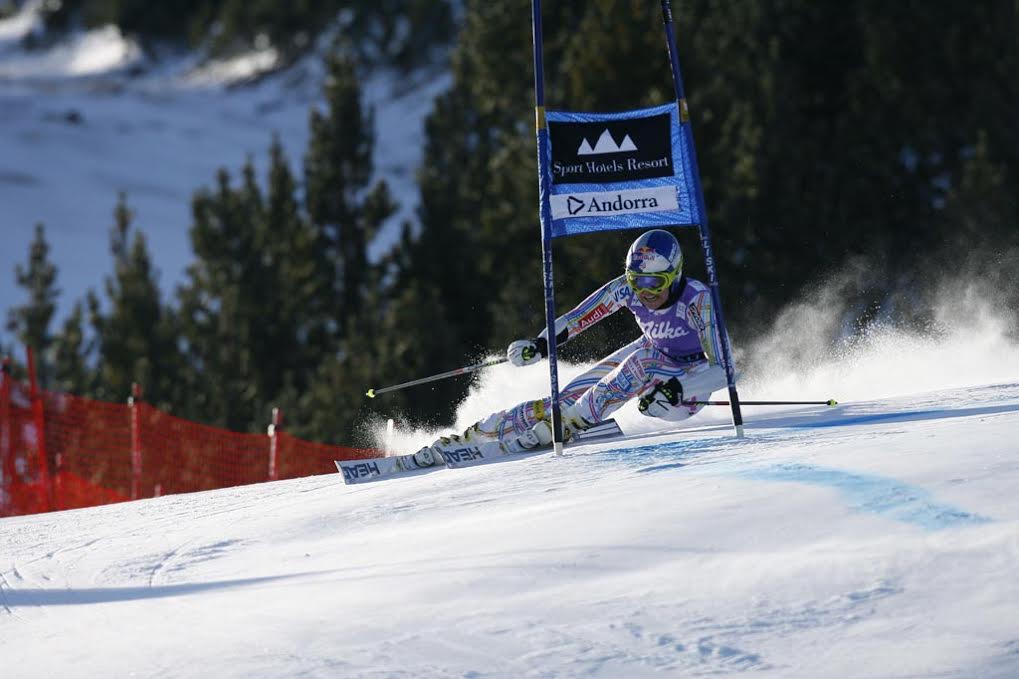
545	216
705	233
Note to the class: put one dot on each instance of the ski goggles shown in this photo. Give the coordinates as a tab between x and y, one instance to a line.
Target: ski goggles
655	283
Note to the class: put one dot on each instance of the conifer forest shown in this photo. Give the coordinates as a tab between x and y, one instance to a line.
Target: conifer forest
872	146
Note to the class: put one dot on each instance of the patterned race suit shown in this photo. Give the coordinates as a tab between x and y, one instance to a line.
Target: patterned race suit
679	340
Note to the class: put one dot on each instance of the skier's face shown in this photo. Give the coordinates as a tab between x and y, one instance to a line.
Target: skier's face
651	300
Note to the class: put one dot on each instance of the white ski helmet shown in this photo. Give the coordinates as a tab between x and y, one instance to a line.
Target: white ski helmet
654	261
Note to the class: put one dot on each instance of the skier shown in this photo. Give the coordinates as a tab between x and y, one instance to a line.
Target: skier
675	362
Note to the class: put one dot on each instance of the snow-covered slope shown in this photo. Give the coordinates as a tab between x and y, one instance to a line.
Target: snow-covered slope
876	539
90	117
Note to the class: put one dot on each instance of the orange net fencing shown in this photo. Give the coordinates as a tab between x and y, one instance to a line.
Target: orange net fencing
92	453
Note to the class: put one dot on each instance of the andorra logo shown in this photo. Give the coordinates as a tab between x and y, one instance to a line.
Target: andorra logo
609	203
606	144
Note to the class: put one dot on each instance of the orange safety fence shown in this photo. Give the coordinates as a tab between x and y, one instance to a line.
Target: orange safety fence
94	452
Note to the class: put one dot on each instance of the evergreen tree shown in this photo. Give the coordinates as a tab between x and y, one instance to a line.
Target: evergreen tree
136	342
30	323
260	310
71	370
298	332
346	210
338	168
982	252
219	305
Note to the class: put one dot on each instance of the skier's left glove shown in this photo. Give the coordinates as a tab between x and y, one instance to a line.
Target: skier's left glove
526	352
665	398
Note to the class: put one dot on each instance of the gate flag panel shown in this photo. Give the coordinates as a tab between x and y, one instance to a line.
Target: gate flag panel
624	170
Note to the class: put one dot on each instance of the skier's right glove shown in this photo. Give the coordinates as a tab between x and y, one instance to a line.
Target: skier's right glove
525	352
664	398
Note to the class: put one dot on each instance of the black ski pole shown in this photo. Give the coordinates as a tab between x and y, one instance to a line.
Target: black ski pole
372	393
830	402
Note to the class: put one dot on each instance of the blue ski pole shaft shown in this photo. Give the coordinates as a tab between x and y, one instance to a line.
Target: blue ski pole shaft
705	232
545	217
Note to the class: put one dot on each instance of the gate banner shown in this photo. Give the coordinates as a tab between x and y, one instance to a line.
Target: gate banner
626	170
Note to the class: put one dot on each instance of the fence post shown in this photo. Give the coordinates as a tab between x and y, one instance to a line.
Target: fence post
39	420
274	427
136	439
6	458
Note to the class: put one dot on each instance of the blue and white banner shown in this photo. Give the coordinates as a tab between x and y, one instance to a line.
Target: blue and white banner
627	170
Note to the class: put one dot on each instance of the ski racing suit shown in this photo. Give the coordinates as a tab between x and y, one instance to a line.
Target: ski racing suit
679	340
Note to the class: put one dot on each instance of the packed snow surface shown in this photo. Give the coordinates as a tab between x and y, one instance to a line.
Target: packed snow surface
879	538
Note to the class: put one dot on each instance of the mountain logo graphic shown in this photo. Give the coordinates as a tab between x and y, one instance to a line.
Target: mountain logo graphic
606	144
609	151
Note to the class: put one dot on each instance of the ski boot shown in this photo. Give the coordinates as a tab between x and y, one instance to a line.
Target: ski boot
427	457
529	440
473	435
540	435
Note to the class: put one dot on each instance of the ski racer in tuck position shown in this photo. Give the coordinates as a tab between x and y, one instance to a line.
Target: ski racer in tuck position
676	360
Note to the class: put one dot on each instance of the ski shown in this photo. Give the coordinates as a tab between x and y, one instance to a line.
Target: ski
361	471
471	455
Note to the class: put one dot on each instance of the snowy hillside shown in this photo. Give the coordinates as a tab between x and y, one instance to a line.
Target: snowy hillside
876	539
90	117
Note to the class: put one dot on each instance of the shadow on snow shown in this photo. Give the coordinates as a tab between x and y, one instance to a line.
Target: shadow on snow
103	595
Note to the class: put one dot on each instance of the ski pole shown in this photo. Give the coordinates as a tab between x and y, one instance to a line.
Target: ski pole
830	403
372	393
